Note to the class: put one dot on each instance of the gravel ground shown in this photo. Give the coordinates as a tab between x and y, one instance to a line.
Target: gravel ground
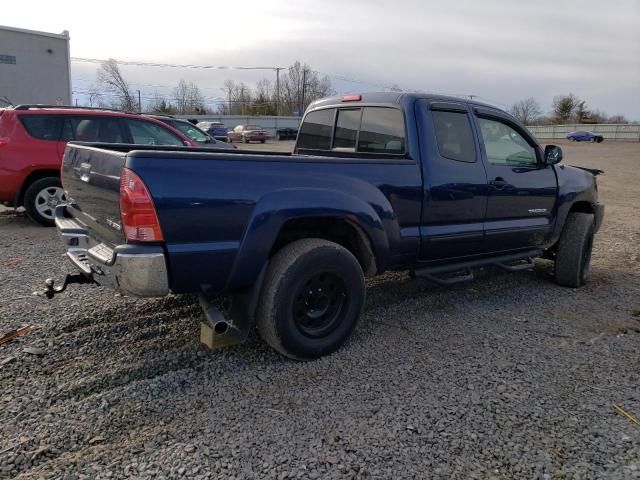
509	376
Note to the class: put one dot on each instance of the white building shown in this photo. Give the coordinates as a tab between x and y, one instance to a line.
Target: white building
35	67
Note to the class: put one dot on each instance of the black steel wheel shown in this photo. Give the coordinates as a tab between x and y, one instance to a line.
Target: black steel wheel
318	304
311	298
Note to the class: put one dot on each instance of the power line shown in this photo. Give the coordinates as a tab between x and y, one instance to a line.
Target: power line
170	65
276	69
147	84
214	67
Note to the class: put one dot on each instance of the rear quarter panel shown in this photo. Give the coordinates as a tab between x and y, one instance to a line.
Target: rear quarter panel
22	155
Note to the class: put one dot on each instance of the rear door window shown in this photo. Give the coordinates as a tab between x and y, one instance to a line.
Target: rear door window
454	136
93	129
381	131
347	126
315	132
148	133
43	127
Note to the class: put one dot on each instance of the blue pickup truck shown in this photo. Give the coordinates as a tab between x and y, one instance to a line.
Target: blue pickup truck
435	185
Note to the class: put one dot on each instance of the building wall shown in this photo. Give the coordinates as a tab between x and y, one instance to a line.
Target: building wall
41	71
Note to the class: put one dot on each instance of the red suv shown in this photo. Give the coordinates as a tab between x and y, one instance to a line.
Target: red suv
33	139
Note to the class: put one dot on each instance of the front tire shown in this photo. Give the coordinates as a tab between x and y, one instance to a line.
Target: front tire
573	255
41	199
311	300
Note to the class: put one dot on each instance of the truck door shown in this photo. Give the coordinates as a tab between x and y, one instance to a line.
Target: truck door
522	190
455	183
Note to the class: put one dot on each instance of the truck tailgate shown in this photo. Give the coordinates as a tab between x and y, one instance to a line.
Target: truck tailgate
91	177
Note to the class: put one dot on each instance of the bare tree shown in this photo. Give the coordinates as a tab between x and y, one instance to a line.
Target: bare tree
111	78
188	98
301	86
527	110
95	97
598	116
264	98
298	88
229	89
618	119
160	105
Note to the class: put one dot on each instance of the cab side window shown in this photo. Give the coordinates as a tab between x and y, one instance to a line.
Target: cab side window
454	136
504	145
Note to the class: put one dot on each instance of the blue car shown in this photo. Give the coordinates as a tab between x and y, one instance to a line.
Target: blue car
584	137
216	129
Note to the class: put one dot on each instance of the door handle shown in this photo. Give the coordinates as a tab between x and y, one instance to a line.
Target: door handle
498	182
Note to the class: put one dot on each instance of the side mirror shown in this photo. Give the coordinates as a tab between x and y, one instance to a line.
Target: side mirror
552	154
185	143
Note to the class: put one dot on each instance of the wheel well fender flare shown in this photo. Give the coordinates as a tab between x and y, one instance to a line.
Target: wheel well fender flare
274	210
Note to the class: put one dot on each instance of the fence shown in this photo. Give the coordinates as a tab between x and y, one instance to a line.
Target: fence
269	123
629	132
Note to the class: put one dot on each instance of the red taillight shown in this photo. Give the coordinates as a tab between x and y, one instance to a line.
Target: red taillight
351	98
3	142
138	213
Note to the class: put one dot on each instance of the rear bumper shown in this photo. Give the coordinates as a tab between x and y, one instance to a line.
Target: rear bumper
138	270
598	210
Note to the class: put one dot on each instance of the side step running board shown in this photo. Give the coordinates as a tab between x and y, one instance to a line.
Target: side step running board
512	263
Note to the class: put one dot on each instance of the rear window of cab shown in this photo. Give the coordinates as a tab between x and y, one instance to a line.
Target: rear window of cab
377	130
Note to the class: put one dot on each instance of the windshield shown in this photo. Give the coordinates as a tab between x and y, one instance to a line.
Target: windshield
191	131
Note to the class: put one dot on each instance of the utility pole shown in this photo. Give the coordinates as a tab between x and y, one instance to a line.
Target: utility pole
139	103
278	90
304	84
242	97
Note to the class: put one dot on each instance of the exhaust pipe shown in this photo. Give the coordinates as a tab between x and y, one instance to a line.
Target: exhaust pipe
217	331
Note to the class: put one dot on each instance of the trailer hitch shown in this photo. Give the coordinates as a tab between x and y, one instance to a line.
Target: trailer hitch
50	289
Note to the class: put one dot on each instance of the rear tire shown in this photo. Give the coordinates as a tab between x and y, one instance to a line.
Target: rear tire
311	300
573	255
41	199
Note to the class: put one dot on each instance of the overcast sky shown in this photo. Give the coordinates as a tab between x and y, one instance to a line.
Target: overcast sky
499	50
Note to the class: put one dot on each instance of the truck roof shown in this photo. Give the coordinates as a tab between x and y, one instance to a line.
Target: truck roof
391	98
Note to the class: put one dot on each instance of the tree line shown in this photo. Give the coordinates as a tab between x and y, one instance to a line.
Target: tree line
291	92
565	109
288	94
